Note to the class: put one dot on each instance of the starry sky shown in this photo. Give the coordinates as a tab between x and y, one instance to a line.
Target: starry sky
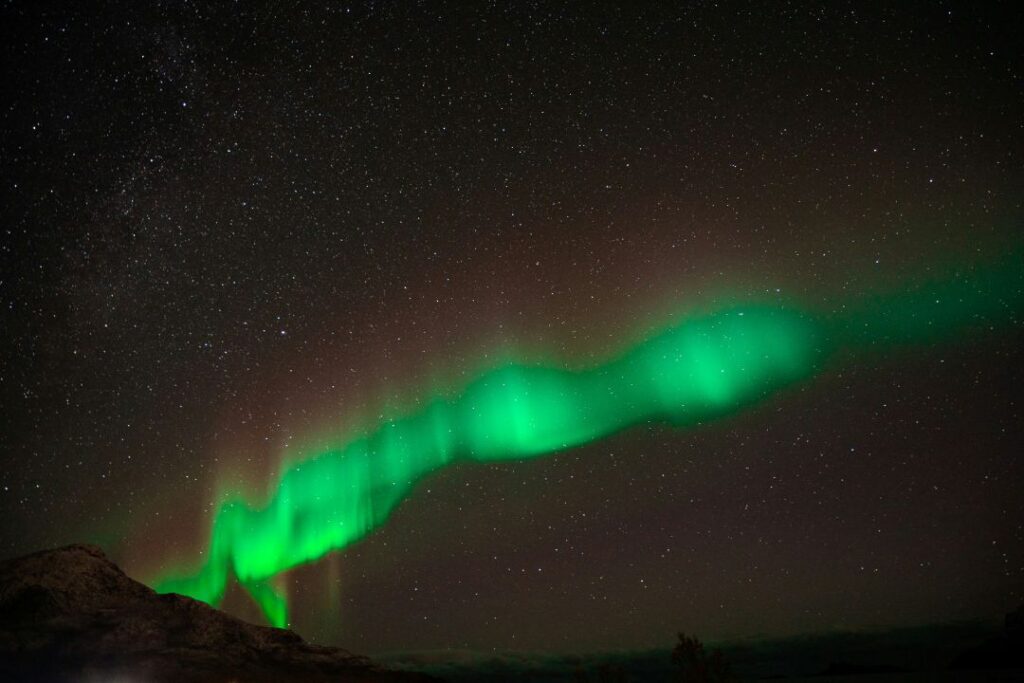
228	230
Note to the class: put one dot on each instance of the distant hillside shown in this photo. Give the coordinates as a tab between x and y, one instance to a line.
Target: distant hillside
940	653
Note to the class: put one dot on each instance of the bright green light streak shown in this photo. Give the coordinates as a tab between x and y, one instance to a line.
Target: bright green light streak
700	369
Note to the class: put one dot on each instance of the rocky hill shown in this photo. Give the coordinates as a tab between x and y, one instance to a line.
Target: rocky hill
71	614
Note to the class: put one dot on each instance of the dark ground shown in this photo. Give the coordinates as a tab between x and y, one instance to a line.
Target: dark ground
963	651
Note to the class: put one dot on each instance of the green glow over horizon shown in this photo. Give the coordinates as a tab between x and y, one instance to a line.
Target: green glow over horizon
702	368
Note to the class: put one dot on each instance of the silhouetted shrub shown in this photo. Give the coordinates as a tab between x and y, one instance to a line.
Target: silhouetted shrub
696	665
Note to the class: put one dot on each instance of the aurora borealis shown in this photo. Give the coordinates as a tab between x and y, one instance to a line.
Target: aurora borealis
683	375
526	327
697	370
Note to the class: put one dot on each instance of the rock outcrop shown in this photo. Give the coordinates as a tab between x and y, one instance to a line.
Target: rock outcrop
71	614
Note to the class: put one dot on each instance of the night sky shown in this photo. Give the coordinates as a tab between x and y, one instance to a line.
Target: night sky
230	233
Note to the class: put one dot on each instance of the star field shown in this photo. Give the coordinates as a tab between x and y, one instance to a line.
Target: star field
229	231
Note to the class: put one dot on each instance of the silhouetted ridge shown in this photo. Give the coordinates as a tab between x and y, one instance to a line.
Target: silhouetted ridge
1005	651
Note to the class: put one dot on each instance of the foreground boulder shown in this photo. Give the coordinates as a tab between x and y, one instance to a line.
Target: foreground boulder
72	614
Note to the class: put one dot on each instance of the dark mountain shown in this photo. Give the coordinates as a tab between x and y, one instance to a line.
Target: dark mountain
1006	651
72	614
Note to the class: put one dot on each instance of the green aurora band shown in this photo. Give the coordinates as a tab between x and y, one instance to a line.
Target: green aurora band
702	368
